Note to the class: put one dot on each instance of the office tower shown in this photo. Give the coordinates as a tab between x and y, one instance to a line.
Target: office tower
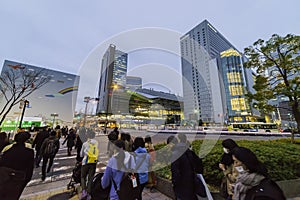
237	105
202	74
112	98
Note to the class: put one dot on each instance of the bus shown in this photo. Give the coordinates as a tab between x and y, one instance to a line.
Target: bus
253	127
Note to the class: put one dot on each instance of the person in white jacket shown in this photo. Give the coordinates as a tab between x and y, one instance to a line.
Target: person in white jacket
89	152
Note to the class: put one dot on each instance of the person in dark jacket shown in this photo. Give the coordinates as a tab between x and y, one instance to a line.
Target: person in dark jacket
112	138
81	137
19	158
3	140
37	143
253	180
47	156
226	165
185	163
70	139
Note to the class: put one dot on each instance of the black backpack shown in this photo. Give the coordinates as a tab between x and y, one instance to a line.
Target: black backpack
130	184
51	148
97	192
265	190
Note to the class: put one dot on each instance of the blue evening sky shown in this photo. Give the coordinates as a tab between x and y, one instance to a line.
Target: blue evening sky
61	35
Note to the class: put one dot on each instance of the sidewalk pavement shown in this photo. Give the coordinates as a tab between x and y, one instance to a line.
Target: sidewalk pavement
57	190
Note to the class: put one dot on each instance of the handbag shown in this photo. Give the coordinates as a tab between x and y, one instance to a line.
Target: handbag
223	187
199	187
8	174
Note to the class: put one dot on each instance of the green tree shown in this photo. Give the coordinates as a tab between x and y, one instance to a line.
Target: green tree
277	62
17	83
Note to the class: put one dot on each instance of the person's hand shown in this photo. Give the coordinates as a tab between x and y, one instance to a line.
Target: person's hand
222	166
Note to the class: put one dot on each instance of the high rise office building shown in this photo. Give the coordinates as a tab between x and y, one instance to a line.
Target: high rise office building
203	74
113	82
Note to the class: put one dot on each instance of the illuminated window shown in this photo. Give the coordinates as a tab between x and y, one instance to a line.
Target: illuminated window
234	77
238	104
236	90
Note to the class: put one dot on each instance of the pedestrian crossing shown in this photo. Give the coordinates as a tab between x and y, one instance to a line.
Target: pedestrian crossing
63	166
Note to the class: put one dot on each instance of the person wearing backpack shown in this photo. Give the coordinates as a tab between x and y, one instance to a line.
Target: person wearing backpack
142	160
89	152
253	181
116	172
49	149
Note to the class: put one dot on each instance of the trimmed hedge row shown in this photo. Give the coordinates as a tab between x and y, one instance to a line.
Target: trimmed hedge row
281	158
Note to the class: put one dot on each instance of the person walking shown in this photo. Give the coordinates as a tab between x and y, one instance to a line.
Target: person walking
117	165
112	138
226	165
90	153
16	164
49	149
142	159
183	168
3	140
80	139
151	174
70	139
253	181
37	144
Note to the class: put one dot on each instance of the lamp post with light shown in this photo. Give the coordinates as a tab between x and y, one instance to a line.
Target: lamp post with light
87	100
54	115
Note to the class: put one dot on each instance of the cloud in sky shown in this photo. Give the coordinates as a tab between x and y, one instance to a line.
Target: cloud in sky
61	34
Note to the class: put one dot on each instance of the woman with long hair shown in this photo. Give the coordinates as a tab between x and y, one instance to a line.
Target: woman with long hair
253	181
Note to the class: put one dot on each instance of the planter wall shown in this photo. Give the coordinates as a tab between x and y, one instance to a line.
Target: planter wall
291	188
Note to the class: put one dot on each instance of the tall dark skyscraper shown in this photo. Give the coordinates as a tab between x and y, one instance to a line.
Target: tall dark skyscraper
203	75
112	79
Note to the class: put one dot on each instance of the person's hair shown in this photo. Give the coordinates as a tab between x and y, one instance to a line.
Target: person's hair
123	136
128	137
91	134
120	144
148	139
249	159
229	144
182	137
172	139
3	136
22	137
53	133
138	142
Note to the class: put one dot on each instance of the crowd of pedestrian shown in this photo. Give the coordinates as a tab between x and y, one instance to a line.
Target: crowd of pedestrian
245	177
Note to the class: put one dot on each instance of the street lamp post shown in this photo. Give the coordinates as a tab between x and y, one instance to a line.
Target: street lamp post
24	103
54	115
87	100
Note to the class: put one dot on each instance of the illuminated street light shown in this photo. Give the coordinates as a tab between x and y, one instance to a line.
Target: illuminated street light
87	100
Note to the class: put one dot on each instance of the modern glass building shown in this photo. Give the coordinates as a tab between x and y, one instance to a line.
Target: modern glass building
238	108
112	78
202	74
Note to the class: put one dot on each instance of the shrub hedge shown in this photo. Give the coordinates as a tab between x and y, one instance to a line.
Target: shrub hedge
281	158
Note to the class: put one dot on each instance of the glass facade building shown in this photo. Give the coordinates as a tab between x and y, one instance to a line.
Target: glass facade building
204	89
237	105
112	81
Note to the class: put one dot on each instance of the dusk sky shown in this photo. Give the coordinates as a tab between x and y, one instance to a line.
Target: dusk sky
71	36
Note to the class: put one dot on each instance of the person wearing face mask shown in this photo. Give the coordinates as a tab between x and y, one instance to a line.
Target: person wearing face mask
253	181
226	165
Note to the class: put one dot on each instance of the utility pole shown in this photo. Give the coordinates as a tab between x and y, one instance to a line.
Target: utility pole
25	103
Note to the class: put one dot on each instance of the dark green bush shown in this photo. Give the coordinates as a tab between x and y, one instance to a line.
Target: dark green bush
281	158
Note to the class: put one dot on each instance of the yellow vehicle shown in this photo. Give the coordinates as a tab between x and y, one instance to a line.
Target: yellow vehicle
253	127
